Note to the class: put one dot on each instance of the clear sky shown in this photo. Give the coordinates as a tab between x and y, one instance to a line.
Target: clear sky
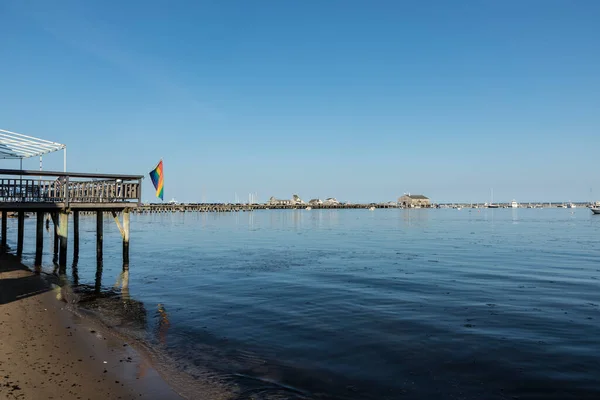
358	100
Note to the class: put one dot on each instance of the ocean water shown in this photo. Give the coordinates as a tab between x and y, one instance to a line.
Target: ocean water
356	304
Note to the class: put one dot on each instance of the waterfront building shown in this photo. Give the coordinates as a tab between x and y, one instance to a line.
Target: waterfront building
279	202
331	201
414	200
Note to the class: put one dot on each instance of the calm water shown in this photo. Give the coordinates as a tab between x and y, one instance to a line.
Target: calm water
354	304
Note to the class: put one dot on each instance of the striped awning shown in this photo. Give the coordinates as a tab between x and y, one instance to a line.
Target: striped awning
17	146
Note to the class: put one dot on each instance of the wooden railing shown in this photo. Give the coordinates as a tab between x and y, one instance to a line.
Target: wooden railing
68	187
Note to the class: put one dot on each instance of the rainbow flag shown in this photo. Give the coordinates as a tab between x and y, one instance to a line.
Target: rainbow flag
157	179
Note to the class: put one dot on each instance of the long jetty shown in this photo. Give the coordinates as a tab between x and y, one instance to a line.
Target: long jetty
223	207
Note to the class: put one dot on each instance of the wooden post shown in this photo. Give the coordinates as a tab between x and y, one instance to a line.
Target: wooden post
63	229
99	239
21	231
99	236
75	233
126	239
54	216
39	238
4	217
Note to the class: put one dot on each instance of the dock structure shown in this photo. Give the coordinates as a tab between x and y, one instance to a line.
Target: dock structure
62	194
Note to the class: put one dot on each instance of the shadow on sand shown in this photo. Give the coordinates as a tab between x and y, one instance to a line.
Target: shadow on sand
17	281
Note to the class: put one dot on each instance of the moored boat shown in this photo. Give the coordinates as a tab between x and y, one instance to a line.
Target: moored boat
595	210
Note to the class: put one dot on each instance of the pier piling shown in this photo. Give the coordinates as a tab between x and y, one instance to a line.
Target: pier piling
75	233
4	226
39	238
99	235
125	240
63	229
54	217
20	232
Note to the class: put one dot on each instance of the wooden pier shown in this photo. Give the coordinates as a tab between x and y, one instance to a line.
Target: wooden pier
59	195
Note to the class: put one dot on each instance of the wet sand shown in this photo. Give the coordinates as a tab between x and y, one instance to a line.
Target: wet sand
48	352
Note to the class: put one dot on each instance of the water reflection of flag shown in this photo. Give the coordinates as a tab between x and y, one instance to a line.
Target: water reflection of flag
157	179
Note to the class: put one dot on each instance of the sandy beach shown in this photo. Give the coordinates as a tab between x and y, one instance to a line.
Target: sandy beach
48	352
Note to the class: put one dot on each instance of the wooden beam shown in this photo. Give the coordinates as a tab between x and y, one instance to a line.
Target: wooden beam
116	218
18	172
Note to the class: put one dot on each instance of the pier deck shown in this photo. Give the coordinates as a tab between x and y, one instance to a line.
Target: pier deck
59	194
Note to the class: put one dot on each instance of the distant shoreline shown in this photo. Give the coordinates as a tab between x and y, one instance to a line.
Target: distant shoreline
227	207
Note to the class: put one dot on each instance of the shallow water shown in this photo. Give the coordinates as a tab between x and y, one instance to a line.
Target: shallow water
358	304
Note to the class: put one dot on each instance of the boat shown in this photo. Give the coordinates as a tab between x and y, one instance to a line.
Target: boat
308	208
571	205
514	204
372	208
492	205
595	210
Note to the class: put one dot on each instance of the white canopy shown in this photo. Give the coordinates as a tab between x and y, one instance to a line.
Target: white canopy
18	146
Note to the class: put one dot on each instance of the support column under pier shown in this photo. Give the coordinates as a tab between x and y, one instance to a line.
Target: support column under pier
20	232
63	229
75	233
99	235
39	238
4	228
99	240
125	240
54	217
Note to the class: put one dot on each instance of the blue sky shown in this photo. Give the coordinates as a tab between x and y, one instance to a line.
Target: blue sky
359	100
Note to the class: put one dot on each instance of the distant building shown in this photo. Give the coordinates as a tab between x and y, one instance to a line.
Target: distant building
414	200
331	201
297	200
279	202
315	202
